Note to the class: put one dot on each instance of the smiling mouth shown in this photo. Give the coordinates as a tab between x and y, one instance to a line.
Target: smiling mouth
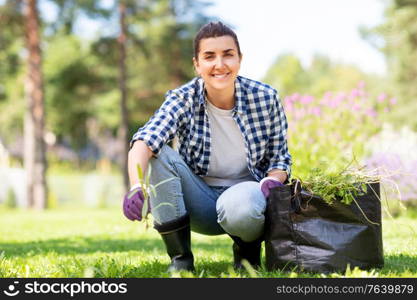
220	76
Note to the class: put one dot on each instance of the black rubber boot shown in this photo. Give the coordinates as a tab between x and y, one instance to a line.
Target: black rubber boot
251	251
176	235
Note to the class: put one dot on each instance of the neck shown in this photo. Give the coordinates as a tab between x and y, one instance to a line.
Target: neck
222	99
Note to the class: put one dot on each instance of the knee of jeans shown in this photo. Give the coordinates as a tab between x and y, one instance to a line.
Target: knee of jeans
165	161
240	210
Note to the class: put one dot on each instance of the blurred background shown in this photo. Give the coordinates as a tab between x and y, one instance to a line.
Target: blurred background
79	77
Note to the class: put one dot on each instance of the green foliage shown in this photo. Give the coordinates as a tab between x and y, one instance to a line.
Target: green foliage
71	83
11	70
344	186
68	10
332	129
396	38
147	189
81	74
289	76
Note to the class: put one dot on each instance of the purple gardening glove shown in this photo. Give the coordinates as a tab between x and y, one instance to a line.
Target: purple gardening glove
133	203
267	184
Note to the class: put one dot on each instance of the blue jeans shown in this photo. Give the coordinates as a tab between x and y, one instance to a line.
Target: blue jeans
237	210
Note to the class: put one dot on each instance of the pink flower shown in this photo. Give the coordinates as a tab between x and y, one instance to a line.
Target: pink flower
337	100
325	101
288	105
341	95
326	98
299	114
370	112
381	97
287	100
316	111
356	107
328	94
393	101
354	93
306	99
294	97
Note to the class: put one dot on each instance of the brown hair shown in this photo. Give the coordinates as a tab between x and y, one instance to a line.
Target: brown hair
214	29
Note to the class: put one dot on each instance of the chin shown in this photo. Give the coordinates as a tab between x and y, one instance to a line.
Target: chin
221	85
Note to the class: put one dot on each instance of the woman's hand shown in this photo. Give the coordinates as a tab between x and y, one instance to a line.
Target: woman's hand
267	184
133	204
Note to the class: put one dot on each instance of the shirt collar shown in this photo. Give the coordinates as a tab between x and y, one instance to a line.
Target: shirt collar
200	91
240	94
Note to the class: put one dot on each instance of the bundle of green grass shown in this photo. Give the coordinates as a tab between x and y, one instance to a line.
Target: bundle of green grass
345	185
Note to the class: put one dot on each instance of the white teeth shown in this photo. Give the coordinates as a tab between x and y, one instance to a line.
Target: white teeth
220	75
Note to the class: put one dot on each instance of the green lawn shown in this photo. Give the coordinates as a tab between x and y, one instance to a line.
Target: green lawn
102	243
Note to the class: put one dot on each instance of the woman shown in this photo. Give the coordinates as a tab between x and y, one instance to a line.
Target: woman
232	150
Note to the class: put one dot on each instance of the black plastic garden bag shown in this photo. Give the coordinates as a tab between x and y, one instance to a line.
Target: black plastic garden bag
305	233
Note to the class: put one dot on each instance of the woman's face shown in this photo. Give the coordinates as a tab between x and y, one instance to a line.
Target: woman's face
218	62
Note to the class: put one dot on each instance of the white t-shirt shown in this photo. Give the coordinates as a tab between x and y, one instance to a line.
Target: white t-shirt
228	164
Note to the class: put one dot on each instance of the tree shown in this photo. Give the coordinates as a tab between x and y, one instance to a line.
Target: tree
397	39
35	148
82	98
289	76
124	127
11	70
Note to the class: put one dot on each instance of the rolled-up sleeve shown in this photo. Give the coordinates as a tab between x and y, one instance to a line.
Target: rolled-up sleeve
162	126
278	153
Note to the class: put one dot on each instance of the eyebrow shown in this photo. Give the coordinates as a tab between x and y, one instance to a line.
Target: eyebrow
224	51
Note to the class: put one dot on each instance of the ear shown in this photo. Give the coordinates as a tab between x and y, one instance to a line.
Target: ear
196	66
240	58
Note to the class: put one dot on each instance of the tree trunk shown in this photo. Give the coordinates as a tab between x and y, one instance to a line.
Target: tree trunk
124	128
34	152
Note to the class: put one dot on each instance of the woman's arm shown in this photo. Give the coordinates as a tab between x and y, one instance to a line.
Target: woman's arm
138	154
158	131
279	175
280	158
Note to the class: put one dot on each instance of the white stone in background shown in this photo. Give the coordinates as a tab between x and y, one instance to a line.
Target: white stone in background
4	156
395	152
102	189
93	190
13	179
402	142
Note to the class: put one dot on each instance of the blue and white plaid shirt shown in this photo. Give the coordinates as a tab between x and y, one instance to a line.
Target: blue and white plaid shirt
258	113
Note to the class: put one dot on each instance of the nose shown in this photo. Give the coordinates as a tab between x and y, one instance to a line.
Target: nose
219	62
